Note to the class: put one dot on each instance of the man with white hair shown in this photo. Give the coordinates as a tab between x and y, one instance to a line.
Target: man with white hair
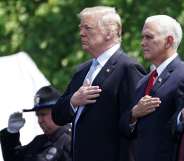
157	95
100	91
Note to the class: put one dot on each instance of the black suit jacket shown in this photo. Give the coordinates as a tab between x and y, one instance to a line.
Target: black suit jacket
38	149
177	133
97	136
154	139
178	130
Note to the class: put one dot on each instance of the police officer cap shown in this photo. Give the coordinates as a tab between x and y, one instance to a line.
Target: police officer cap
46	97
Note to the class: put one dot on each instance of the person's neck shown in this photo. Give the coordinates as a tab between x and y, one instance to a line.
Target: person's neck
97	53
52	131
165	56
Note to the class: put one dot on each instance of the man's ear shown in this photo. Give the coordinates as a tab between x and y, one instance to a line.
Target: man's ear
108	35
169	41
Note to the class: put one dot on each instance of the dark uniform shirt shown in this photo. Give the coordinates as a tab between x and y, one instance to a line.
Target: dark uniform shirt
55	147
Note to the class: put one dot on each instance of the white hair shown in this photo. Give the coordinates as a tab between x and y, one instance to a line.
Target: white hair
168	26
109	19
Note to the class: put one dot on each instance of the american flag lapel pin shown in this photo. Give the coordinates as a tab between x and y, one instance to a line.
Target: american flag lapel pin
107	70
159	80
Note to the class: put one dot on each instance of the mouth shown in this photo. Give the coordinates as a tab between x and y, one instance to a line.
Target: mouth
83	42
146	50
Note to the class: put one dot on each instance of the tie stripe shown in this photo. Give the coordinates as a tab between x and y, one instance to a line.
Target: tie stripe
151	81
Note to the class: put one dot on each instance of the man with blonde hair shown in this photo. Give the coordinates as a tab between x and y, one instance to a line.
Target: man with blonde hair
100	91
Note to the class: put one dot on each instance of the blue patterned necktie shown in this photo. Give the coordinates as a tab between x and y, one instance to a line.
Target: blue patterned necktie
90	74
90	77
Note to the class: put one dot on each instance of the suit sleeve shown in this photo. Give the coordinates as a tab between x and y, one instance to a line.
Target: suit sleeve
179	97
134	73
63	113
9	142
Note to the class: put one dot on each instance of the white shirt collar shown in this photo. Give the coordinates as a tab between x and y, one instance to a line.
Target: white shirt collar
104	57
162	66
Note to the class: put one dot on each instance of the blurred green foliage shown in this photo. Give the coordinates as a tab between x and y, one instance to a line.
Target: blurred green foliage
48	30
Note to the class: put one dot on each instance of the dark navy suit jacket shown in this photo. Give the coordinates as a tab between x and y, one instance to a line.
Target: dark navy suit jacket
153	133
178	129
97	136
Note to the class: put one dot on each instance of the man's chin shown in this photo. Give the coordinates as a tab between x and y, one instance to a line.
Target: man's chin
147	56
85	48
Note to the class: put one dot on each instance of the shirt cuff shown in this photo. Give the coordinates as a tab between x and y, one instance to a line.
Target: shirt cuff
180	123
73	108
178	119
132	126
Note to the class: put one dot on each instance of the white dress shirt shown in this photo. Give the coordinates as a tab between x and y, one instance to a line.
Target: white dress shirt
102	59
159	70
162	66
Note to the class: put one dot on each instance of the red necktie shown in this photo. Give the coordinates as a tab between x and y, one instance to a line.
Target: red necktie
151	81
181	149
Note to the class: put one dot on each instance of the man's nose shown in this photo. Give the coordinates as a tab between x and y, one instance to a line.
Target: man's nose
143	42
82	33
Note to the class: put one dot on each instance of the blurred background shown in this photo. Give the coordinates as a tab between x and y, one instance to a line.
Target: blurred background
40	44
48	30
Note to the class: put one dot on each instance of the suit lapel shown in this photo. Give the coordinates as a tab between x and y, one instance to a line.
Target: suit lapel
82	72
165	75
160	80
140	88
106	70
142	83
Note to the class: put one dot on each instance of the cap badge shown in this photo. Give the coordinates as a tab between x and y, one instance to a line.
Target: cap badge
36	100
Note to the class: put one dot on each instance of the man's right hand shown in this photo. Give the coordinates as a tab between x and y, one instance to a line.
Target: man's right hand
86	94
145	106
15	122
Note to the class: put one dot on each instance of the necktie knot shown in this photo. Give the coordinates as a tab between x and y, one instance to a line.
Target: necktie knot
151	81
154	73
95	62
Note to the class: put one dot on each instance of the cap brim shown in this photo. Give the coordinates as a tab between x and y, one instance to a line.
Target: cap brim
36	108
28	110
